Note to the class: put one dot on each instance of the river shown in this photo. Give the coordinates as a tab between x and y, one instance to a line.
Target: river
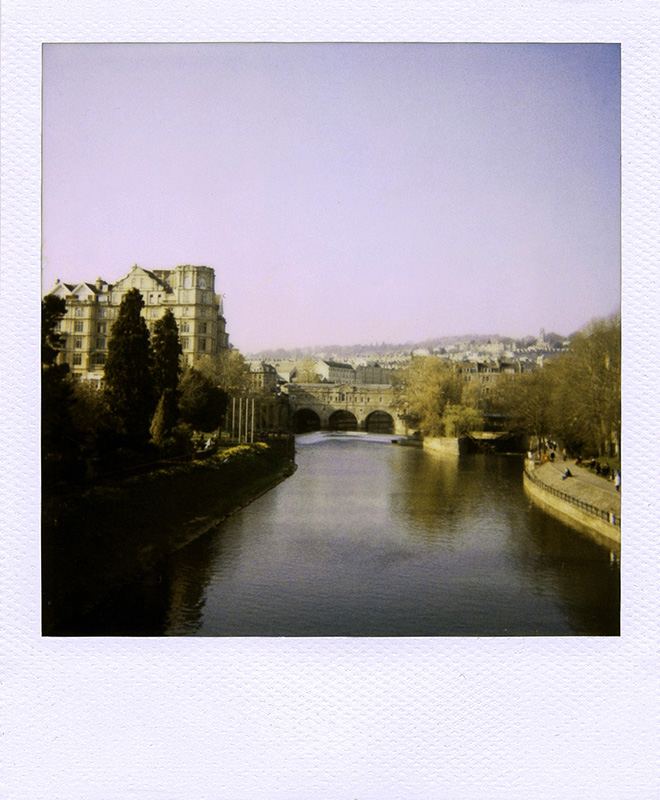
369	538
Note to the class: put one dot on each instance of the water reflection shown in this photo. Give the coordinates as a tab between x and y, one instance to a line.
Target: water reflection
371	539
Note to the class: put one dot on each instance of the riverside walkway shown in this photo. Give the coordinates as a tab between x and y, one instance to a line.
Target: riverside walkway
587	500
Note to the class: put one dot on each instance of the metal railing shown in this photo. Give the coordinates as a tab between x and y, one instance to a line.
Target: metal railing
608	516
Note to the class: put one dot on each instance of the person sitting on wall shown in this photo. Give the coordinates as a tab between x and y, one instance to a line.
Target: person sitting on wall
567	474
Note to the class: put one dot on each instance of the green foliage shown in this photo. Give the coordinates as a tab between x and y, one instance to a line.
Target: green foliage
166	354
202	404
166	416
95	427
458	420
576	397
60	451
227	370
52	310
306	372
422	391
528	400
588	389
128	377
177	442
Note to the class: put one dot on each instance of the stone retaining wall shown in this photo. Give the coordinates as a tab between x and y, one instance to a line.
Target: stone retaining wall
445	444
590	510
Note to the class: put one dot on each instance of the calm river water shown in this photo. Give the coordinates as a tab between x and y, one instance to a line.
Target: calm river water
372	539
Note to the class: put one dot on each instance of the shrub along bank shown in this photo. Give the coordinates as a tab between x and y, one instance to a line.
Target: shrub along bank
97	539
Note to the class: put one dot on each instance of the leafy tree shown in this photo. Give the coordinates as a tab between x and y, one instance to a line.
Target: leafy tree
95	427
166	354
588	389
457	419
306	372
59	449
202	404
227	370
423	389
528	400
128	378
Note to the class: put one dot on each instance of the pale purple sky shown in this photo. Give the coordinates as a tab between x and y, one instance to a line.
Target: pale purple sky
343	193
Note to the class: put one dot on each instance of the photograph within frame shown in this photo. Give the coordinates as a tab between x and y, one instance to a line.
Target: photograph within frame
326	198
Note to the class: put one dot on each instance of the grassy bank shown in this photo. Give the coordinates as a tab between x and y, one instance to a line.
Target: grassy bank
98	538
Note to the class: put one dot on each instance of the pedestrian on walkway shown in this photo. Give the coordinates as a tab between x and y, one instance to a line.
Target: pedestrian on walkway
617	481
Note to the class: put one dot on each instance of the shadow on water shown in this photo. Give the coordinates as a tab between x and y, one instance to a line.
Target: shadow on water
370	539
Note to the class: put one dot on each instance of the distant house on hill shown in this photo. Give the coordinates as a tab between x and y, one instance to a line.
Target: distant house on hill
335	372
372	374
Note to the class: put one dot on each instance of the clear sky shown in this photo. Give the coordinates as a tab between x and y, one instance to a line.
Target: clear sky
343	193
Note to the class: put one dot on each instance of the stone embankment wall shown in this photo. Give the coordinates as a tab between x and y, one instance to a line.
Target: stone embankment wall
97	539
449	445
578	501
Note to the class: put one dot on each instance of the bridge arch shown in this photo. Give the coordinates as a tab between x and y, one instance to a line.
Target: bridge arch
379	422
342	420
305	420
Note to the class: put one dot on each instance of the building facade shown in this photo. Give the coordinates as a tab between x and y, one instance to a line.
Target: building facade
335	372
263	377
91	309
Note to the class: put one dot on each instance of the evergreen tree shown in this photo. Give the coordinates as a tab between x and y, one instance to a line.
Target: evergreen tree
166	354
128	377
166	416
52	310
58	447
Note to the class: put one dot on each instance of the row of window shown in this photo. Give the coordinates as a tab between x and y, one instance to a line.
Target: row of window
101	344
79	311
102	327
97	359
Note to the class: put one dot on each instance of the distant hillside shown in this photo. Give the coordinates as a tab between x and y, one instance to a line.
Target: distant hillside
400	348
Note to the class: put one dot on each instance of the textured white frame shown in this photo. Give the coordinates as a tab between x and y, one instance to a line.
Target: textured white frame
175	719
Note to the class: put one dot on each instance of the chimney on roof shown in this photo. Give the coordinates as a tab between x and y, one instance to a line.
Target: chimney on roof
98	283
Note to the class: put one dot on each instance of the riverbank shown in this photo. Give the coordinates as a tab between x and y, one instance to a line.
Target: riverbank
97	539
584	501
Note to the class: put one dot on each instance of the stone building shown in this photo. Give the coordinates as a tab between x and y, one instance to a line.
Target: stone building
371	374
263	377
335	372
91	309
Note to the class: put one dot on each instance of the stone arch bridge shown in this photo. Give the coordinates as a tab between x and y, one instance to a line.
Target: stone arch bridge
344	407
